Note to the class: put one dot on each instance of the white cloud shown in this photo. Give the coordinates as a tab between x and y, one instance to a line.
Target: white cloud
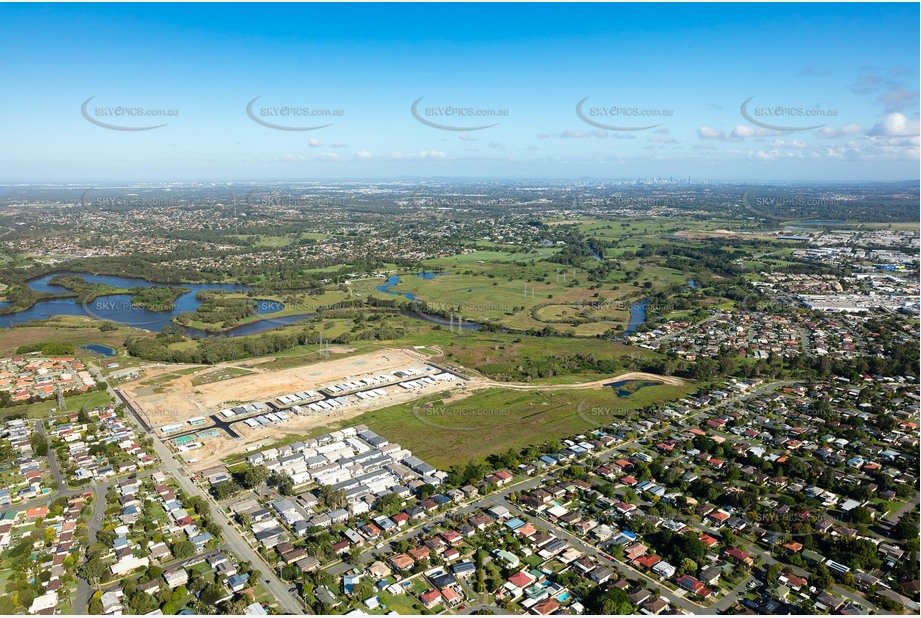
795	143
414	156
833	132
314	143
743	131
329	156
569	134
895	125
577	134
710	133
763	155
363	155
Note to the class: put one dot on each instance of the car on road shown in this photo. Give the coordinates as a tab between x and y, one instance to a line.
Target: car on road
379	546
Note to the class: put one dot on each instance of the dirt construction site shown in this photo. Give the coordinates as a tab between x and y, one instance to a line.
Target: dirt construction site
169	395
173	395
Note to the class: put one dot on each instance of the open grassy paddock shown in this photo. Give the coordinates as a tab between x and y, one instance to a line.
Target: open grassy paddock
494	420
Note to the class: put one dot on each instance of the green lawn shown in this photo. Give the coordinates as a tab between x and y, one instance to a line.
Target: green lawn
494	420
402	604
43	408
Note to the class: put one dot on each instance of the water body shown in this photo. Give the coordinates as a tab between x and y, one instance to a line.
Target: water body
394	280
817	222
118	307
437	319
637	316
253	328
812	226
693	284
625	388
113	307
98	348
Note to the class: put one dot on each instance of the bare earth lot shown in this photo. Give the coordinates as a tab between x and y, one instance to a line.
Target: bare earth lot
168	394
178	399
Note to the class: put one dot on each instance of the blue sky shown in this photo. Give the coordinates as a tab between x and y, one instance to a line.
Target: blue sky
852	68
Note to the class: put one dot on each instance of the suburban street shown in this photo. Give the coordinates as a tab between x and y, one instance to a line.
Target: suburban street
232	539
84	589
500	497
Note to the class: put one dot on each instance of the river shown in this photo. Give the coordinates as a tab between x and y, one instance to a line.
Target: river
118	307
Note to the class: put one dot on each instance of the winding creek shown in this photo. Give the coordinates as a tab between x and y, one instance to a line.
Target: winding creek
118	308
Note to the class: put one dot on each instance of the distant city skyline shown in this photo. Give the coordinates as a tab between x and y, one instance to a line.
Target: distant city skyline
715	92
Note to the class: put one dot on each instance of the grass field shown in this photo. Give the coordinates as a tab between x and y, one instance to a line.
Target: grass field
493	353
494	420
219	375
169	377
515	296
494	356
77	330
43	409
295	304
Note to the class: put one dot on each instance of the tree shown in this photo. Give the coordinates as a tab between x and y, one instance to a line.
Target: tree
688	566
94	569
861	515
389	504
7	607
183	549
608	602
773	572
236	607
331	498
254	476
212	594
141	603
283	483
822	578
907	526
39	444
224	490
